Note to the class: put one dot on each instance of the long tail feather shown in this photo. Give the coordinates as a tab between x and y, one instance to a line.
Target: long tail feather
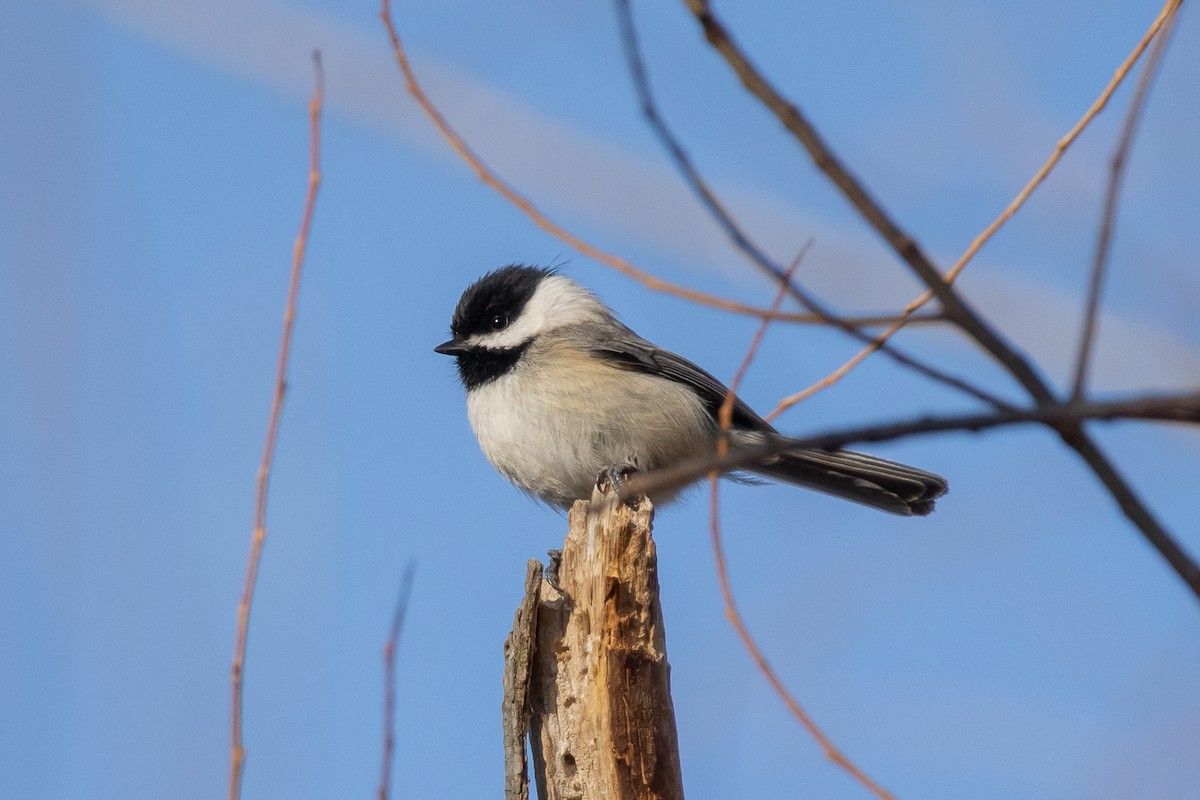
858	477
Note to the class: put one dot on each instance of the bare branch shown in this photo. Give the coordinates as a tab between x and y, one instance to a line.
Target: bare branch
735	619
1064	418
389	680
1060	148
691	175
956	309
741	239
1133	507
725	414
492	179
836	375
1109	217
264	470
725	417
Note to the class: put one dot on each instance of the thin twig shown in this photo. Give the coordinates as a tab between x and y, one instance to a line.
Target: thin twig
836	375
687	168
725	413
389	680
956	309
264	470
742	241
731	610
1060	148
731	613
492	179
1064	418
1120	158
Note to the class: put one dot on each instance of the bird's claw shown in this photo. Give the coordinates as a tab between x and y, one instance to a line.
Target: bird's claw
551	573
614	476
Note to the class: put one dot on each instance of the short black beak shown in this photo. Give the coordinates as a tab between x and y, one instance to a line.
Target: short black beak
453	347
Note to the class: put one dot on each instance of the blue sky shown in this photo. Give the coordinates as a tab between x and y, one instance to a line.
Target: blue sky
1023	642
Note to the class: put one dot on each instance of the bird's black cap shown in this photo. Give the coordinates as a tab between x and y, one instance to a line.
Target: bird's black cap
500	293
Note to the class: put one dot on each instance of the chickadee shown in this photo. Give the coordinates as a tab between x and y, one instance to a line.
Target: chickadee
559	391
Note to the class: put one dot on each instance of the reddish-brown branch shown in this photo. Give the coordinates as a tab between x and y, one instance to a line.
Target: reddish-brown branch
1063	418
264	470
731	611
389	681
492	179
1108	219
830	749
956	308
1060	148
741	239
725	415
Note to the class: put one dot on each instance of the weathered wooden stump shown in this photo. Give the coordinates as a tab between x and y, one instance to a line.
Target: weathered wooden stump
587	674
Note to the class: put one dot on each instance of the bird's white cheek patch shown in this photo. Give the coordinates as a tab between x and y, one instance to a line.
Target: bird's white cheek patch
557	302
524	328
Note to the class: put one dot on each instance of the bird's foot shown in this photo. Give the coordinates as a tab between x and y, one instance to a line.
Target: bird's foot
553	564
613	477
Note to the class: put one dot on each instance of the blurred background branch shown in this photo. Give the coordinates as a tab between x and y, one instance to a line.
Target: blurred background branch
389	681
1108	220
238	756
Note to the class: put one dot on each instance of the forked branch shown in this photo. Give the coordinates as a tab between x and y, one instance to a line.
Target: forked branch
742	241
1060	149
955	307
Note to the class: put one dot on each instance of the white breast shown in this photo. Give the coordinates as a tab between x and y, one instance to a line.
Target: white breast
552	436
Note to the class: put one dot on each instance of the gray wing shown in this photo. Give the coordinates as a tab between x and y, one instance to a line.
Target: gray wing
870	480
623	348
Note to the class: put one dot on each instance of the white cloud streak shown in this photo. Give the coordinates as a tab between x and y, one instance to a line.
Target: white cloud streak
569	170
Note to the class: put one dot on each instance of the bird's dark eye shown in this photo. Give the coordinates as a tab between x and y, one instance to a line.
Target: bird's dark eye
499	322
